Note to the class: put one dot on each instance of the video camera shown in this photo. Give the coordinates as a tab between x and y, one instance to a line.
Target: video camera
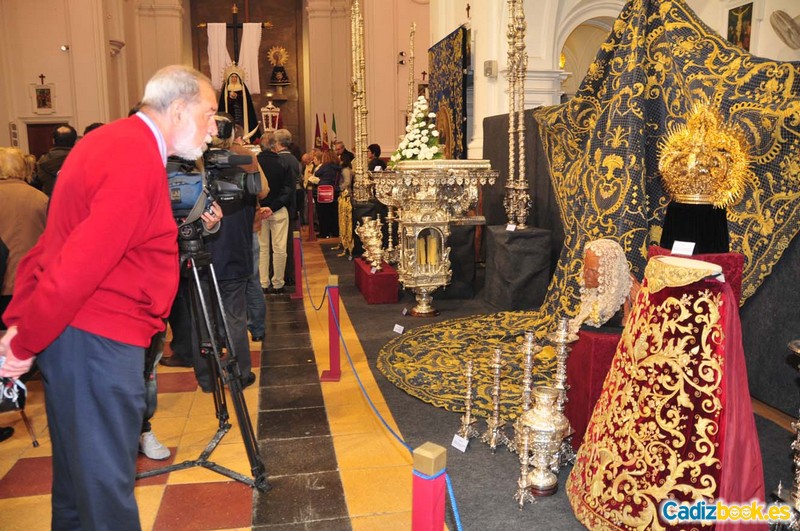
192	192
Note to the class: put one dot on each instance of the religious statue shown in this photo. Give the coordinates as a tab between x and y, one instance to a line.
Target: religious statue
235	100
278	57
607	286
704	165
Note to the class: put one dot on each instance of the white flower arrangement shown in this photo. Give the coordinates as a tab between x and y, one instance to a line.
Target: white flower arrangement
421	141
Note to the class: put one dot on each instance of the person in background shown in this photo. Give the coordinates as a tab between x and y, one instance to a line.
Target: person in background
339	149
375	163
90	295
274	215
231	249
346	179
49	164
91	127
328	174
24	215
256	305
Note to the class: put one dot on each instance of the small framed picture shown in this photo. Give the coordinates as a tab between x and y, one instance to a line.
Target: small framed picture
43	98
740	25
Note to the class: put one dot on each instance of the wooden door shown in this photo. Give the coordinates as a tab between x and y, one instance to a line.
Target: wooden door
40	138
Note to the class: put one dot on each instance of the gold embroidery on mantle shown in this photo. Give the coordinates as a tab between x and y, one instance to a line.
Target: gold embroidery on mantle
671	272
653	433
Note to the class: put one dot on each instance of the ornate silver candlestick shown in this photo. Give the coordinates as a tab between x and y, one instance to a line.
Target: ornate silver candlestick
529	348
494	435
561	339
523	494
468	429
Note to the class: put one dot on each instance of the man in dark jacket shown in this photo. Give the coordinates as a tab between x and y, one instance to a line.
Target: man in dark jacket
274	213
232	256
49	164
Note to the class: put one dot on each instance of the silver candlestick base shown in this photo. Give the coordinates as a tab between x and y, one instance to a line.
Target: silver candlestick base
424	308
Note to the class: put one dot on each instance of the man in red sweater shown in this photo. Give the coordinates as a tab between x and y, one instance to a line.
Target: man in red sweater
96	287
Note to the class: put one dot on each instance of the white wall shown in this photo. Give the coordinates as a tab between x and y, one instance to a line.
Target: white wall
94	81
387	27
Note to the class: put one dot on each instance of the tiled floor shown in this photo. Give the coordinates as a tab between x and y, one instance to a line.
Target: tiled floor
330	462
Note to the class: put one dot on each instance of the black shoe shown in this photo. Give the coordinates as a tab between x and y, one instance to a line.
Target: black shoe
174	361
6	433
276	291
250	380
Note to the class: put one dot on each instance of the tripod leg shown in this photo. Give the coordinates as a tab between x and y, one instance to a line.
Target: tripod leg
29	427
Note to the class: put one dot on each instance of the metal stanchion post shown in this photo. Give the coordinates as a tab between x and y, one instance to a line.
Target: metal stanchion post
334	374
298	267
429	487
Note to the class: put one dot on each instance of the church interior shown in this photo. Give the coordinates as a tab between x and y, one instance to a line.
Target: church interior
572	288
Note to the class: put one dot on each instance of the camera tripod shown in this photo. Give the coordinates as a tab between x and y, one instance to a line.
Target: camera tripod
206	307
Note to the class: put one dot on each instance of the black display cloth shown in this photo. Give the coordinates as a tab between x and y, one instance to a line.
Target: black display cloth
544	208
517	267
704	225
462	264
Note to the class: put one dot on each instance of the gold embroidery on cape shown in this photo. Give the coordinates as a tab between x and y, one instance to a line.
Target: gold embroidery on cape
653	433
660	273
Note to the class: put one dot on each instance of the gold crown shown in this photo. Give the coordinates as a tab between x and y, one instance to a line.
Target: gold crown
705	160
231	69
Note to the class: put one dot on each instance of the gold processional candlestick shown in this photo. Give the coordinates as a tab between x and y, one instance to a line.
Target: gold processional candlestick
523	198
517	200
362	186
468	429
561	339
411	92
508	201
494	435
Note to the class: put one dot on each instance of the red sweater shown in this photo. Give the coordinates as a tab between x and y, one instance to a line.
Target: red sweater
107	262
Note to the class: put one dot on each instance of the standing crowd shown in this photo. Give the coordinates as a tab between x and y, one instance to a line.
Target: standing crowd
92	271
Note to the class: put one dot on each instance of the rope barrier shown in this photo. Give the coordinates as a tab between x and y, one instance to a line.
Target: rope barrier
308	287
450	492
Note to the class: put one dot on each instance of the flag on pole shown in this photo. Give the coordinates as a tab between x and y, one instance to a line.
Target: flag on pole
317	135
333	124
325	145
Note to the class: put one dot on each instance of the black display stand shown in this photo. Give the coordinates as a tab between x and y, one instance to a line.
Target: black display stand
462	264
517	267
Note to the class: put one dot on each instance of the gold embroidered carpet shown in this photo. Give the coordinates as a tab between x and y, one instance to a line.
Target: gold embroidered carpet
602	151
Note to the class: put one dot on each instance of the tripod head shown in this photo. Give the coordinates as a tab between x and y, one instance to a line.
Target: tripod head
191	246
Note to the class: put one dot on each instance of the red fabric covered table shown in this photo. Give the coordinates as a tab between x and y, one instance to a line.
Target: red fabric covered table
380	287
587	367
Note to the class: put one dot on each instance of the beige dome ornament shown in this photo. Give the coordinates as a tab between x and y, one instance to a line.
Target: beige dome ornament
787	28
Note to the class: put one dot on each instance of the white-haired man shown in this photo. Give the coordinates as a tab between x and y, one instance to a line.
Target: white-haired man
96	287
